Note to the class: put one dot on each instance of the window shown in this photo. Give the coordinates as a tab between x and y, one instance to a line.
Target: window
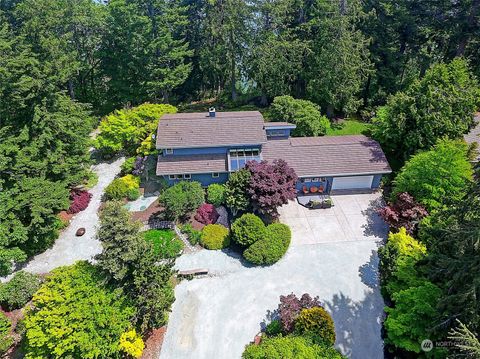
275	133
239	157
179	176
308	180
169	151
215	175
187	176
172	177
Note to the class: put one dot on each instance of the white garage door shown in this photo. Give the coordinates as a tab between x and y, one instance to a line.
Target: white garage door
352	182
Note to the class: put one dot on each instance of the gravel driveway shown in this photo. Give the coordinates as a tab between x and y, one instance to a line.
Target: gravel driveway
215	317
68	248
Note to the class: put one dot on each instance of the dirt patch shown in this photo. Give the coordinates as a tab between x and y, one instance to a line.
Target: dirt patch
153	344
155	210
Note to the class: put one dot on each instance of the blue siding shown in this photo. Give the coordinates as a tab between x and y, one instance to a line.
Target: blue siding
280	134
326	184
376	181
204	178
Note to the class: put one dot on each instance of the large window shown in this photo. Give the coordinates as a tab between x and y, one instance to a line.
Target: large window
239	157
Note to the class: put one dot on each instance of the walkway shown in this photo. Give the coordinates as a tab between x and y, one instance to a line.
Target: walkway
68	248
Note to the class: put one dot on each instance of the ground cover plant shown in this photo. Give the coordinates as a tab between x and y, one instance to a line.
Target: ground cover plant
79	201
19	290
165	242
192	234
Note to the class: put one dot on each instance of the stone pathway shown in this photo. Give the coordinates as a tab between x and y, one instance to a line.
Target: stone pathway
68	248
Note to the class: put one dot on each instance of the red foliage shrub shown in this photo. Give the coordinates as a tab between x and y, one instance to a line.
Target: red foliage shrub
403	212
290	307
80	200
271	185
207	214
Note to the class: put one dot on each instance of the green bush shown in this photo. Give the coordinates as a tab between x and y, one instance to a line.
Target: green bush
128	166
216	194
6	340
273	328
215	236
165	242
182	198
248	229
133	194
316	323
272	247
121	187
19	290
192	234
289	347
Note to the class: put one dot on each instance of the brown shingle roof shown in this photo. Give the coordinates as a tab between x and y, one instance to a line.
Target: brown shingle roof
170	165
328	155
474	134
181	130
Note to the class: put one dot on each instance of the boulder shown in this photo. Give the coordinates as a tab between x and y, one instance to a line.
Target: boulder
80	232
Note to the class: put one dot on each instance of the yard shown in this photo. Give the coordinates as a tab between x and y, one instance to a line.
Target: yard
332	255
348	127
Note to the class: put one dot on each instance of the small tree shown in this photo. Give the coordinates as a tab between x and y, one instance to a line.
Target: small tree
236	197
248	229
404	212
271	186
182	199
206	214
216	194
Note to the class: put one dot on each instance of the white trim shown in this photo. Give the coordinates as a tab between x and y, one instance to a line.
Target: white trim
169	151
215	174
347	174
187	176
172	177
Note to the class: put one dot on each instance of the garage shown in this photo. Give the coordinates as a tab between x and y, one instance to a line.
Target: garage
353	182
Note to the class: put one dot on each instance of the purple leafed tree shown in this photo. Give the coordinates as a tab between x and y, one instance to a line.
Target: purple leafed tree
290	307
403	212
271	185
207	214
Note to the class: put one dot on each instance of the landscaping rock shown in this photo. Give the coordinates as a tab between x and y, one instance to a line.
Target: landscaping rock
223	216
80	232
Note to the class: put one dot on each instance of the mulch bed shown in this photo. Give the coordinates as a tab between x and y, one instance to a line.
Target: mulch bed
153	344
154	210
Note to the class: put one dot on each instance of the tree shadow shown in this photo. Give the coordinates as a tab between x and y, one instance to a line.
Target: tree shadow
235	252
369	274
375	225
358	325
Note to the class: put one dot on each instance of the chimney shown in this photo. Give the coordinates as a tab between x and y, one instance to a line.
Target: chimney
211	111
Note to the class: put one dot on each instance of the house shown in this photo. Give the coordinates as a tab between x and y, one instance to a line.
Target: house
207	147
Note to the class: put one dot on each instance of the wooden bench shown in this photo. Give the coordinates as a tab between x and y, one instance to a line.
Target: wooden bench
193	272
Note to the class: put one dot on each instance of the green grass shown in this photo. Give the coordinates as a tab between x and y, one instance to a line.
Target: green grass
349	127
165	242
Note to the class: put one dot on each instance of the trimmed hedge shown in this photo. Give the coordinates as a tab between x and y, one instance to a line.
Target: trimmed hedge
272	247
216	194
316	323
19	290
248	229
215	236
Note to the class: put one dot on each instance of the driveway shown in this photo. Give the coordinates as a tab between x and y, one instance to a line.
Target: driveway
333	255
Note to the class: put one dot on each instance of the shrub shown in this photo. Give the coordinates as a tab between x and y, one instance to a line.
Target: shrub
192	234
132	344
290	307
248	229
216	194
78	315
316	323
120	187
19	290
215	236
79	201
165	242
274	328
272	247
6	339
403	212
127	166
182	198
236	197
289	347
133	194
435	176
207	214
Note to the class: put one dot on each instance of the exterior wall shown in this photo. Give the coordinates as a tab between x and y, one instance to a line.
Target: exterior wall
329	180
204	178
280	134
206	150
376	181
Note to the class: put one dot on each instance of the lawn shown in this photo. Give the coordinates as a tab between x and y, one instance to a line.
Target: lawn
348	127
165	242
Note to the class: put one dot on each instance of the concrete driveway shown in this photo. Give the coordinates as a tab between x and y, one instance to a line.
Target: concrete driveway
215	317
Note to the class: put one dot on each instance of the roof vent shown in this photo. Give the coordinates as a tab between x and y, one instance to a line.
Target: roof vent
211	111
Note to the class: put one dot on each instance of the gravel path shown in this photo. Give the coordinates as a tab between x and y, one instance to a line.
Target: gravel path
68	248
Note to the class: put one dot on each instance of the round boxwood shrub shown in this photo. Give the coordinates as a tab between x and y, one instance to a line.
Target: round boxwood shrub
272	247
248	229
216	194
215	236
19	290
316	323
